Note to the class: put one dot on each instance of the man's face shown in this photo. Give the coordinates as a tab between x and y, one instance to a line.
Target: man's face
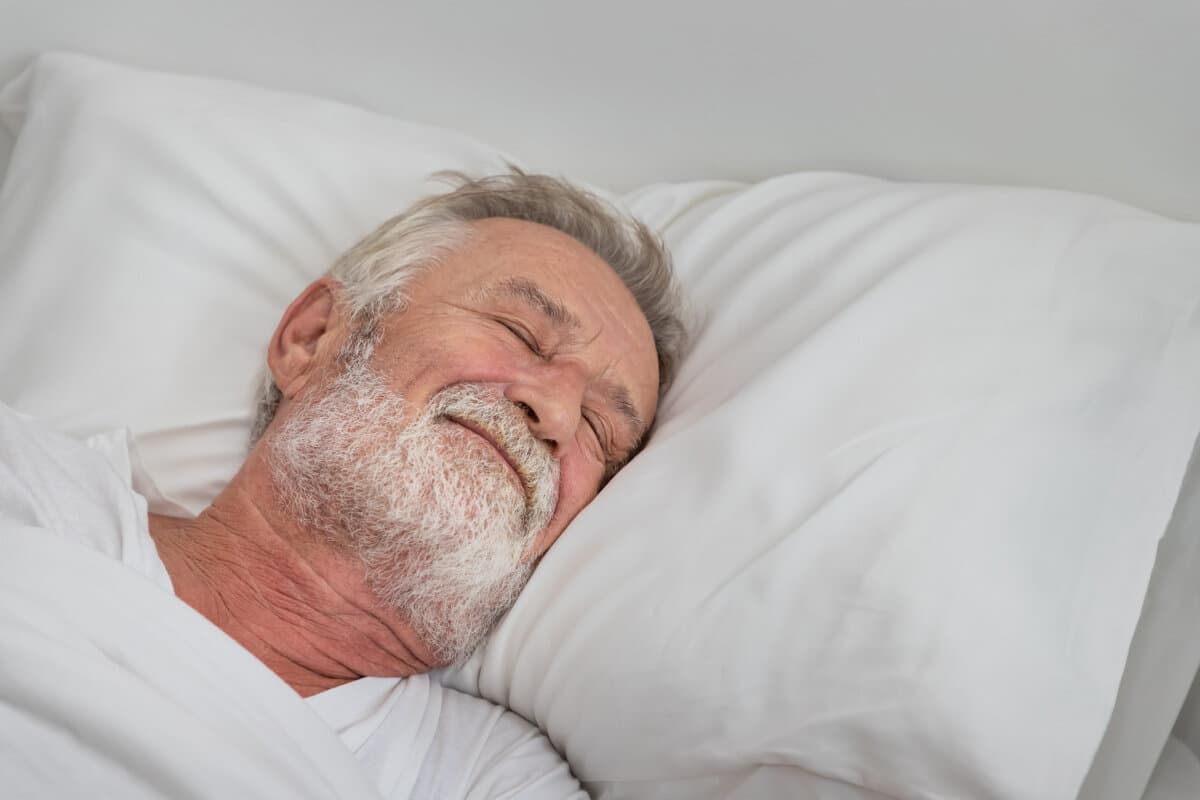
519	376
534	315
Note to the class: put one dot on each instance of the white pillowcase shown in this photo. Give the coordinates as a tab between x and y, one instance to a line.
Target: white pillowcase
892	534
1177	774
153	229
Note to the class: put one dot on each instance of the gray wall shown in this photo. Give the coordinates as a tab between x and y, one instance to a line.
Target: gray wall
1091	95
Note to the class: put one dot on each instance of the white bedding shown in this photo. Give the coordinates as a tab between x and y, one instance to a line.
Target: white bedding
111	687
1177	774
908	525
88	711
893	533
1162	659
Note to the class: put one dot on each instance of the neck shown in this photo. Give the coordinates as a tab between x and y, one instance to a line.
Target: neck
300	606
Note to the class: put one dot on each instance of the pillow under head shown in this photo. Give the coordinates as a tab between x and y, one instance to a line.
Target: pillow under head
893	531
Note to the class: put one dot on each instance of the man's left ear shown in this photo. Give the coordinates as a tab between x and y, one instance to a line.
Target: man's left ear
308	337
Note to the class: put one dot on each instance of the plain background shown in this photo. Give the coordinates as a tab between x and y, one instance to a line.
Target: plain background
1089	95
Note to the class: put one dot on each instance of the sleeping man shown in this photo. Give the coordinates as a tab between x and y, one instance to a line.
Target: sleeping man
438	408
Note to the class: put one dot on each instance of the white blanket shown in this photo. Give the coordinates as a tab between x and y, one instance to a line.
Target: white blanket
112	687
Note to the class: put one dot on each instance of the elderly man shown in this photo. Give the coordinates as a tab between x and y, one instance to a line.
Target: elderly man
437	409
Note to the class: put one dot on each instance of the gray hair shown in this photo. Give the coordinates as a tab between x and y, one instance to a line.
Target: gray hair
374	273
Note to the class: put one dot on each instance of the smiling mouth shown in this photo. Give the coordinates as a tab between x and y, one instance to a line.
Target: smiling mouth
482	433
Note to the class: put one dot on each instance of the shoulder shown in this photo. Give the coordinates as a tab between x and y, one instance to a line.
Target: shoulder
81	491
483	751
41	468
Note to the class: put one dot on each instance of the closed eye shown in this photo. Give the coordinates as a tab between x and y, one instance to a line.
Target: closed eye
612	461
524	336
598	432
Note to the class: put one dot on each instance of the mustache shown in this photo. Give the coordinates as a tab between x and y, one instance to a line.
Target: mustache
486	408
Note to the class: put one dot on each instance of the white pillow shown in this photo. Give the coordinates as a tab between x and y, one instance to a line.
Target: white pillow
154	226
897	521
917	468
1177	774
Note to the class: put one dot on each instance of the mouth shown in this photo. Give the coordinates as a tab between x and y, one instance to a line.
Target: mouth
483	433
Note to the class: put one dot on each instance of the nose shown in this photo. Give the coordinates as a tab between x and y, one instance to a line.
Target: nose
551	398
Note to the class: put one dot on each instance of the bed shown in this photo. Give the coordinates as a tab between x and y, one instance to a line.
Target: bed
920	518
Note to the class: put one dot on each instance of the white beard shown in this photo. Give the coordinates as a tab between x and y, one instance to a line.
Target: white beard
444	531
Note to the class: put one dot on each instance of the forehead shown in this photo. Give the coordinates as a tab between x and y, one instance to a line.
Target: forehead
508	261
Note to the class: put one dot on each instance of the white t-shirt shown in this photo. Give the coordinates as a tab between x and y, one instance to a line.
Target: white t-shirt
413	737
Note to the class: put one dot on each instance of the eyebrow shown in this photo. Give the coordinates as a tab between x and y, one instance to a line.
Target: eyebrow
529	293
532	295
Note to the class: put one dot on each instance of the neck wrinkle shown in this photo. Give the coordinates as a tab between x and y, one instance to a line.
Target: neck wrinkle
294	602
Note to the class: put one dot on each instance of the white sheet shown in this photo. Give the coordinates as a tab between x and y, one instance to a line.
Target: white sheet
111	687
416	738
89	711
1163	657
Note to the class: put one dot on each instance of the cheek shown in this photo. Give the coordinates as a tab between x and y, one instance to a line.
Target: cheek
578	484
424	371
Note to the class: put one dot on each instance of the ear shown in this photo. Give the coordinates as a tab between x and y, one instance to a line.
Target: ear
308	337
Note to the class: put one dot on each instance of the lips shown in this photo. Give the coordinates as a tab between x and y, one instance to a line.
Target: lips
484	434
